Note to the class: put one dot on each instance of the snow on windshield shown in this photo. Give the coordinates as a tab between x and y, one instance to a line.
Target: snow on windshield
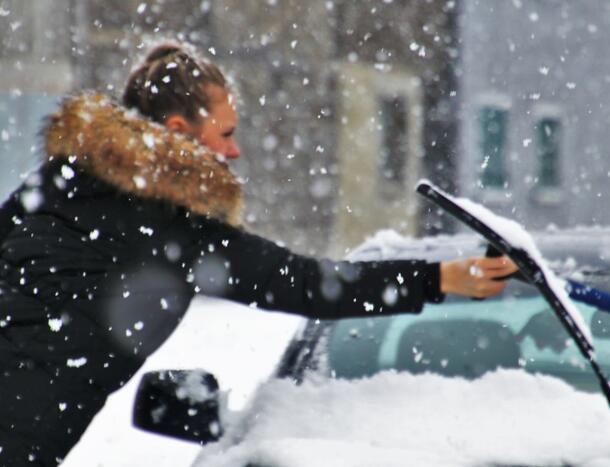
397	419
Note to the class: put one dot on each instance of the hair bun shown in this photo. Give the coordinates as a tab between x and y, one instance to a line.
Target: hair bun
162	51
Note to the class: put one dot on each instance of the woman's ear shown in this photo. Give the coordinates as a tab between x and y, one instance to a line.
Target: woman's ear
177	122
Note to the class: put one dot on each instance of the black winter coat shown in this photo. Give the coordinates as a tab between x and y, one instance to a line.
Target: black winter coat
102	250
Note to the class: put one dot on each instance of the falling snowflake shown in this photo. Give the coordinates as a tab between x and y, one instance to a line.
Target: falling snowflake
390	295
139	181
31	200
76	362
55	324
149	140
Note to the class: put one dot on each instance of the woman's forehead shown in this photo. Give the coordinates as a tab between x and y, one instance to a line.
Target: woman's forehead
217	94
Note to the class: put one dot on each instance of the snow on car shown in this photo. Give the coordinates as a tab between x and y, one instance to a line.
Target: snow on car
507	417
465	383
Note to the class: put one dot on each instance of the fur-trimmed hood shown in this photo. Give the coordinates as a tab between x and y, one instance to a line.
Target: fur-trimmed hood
141	157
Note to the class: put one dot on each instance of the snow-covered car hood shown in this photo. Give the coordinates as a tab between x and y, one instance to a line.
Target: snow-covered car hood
393	419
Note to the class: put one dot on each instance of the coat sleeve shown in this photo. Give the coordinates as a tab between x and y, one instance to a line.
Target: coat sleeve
254	271
10	213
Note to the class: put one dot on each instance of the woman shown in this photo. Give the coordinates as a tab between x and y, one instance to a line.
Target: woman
104	246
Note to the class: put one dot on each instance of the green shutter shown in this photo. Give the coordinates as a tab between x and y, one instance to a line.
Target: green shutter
493	146
548	149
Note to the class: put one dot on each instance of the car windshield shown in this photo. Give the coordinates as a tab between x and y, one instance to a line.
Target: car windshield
468	338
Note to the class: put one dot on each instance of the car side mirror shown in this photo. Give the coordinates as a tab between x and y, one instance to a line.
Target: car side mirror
182	404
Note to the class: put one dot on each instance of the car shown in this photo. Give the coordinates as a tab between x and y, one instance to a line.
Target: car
494	382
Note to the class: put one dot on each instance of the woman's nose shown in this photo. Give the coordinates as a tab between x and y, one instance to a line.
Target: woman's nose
232	150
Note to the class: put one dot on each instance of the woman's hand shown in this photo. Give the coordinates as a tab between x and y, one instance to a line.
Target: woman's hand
474	277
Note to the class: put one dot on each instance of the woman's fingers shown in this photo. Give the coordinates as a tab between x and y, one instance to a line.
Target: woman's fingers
493	268
486	288
475	277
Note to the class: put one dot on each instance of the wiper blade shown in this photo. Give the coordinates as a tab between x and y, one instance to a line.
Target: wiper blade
528	267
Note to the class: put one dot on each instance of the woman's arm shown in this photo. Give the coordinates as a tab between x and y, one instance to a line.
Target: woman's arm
254	271
278	279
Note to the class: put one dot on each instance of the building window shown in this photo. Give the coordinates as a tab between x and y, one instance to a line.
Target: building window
493	122
548	138
394	143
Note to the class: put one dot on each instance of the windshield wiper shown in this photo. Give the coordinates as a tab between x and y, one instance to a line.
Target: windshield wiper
528	267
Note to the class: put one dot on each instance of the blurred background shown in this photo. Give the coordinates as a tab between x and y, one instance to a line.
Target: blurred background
345	104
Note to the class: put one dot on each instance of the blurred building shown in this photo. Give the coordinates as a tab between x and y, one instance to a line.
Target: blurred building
345	104
35	66
534	124
342	102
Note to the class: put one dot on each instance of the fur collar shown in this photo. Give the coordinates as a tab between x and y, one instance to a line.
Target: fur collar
141	157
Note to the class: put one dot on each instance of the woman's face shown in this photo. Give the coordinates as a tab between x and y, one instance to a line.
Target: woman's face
217	128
